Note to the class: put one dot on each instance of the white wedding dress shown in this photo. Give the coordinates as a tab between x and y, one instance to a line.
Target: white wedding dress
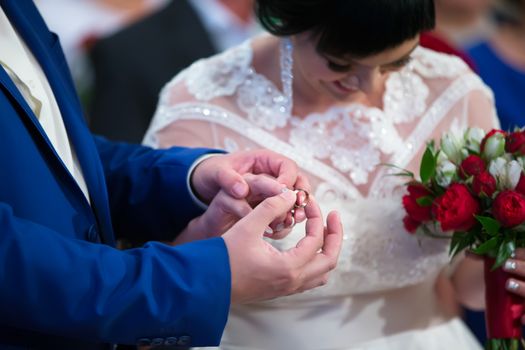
382	293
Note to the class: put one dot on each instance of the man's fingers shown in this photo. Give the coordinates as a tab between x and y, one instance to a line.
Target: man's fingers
232	182
334	236
262	186
314	273
286	171
309	245
267	211
229	205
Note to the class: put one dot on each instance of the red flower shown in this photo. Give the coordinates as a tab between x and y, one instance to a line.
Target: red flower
411	225
413	209
485	183
520	187
509	208
471	166
492	132
456	208
515	142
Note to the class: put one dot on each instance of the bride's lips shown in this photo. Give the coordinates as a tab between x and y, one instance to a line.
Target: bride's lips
344	88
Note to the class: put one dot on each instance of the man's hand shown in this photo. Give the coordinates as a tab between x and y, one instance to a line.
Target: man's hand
224	211
259	271
233	173
226	172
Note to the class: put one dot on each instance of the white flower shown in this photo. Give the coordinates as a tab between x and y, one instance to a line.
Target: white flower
521	160
451	145
494	146
507	173
473	138
514	170
445	172
441	157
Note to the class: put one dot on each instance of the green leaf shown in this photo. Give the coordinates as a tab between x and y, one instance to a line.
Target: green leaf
428	165
460	241
425	201
503	344
404	172
511	247
504	252
490	225
491	244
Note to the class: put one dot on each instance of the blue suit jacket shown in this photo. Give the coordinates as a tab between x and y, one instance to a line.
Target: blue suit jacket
62	282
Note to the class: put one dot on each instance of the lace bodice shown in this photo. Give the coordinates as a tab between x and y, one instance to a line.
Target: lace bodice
224	102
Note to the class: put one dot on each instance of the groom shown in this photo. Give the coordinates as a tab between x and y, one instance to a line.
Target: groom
65	195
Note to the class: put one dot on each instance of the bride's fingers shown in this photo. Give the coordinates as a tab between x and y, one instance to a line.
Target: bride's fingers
515	286
515	267
519	254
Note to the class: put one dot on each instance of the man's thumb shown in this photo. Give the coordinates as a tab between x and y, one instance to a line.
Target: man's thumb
268	210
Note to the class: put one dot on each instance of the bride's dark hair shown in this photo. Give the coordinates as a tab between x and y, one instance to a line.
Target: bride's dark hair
357	27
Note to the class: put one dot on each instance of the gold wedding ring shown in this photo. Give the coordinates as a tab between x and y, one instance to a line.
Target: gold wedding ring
305	202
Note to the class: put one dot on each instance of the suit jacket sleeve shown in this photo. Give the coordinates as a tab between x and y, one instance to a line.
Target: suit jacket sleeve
148	189
77	289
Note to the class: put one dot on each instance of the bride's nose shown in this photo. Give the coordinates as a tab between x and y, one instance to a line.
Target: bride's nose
370	81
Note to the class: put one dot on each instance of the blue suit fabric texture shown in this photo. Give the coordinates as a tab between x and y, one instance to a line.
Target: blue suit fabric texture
63	284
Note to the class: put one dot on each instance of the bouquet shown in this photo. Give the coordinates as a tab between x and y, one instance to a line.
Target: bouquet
472	191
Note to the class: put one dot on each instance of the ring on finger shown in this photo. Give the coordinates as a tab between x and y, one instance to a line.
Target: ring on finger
305	202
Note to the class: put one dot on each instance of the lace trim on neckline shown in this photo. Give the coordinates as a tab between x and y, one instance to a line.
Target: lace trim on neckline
232	71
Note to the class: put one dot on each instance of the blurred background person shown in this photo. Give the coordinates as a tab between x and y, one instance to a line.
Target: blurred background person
463	22
79	23
459	23
132	65
500	60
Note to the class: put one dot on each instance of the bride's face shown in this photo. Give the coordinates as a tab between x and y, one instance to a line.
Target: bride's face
346	77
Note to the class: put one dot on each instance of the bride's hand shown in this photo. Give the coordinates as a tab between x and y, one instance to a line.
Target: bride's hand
516	267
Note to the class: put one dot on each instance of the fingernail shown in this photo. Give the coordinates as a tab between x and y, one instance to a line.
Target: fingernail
268	231
288	194
279	227
512	285
510	265
239	189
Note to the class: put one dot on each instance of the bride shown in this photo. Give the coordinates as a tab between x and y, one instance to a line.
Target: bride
341	86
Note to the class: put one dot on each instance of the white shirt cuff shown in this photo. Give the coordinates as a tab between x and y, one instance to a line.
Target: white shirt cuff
199	160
